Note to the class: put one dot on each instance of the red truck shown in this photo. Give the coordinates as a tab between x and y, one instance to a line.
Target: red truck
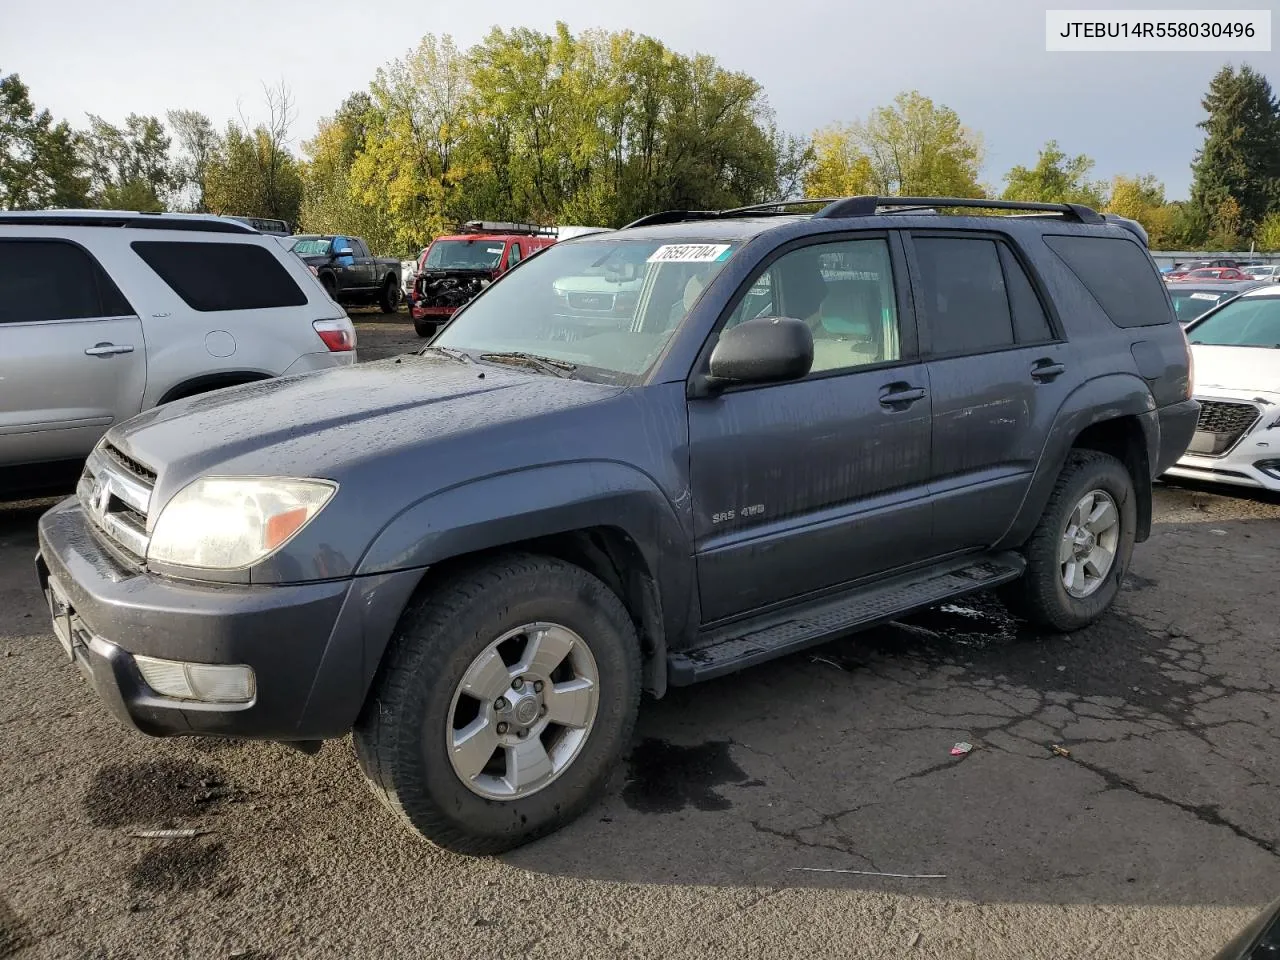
454	268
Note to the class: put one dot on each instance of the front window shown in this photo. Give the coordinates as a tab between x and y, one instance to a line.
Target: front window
464	255
313	248
1246	322
606	307
1188	305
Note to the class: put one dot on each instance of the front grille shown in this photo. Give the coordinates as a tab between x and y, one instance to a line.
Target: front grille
594	302
115	491
145	474
1222	424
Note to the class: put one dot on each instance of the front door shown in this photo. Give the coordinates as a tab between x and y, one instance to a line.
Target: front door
996	367
805	485
72	357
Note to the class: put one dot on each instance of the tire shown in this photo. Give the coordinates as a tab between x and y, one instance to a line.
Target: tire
403	734
425	328
330	286
1041	595
389	301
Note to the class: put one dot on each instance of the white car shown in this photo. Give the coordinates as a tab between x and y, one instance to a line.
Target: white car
1236	352
104	314
1268	272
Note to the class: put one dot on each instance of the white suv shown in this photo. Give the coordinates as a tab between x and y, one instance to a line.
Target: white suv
104	314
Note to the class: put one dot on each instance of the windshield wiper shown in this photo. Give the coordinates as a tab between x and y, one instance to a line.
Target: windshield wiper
459	355
557	368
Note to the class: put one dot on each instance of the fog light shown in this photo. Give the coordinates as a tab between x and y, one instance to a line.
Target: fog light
207	682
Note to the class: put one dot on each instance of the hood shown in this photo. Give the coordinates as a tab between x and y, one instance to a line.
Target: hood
330	423
1236	368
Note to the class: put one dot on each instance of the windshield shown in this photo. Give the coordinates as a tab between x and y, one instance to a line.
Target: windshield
1246	322
607	306
312	248
1189	304
464	255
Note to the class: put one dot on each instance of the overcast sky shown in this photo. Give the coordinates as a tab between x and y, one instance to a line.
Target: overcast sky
819	62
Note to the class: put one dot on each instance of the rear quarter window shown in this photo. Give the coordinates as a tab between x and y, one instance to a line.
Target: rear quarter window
211	277
1119	275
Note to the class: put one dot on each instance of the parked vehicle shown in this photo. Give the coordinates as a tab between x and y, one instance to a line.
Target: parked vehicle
1236	348
1270	272
477	557
349	274
1192	298
1183	269
1213	273
277	228
104	314
454	268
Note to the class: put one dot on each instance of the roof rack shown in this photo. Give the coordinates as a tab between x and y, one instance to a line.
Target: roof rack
869	206
135	221
502	226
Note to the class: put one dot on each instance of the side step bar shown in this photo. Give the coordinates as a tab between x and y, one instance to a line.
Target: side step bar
741	645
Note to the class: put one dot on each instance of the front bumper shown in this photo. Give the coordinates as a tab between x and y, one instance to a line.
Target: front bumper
313	647
418	312
1252	460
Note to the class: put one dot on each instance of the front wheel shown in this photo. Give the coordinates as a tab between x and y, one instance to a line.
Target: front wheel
507	697
425	328
1080	550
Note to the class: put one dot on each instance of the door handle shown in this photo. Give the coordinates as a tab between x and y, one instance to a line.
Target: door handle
900	395
108	349
1046	370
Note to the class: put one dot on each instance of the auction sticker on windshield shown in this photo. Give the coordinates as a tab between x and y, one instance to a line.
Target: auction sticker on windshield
1205	296
690	253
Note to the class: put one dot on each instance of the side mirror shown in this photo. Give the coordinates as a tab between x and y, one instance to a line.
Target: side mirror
763	350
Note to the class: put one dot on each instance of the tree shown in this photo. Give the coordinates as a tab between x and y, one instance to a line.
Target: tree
1240	158
1226	225
1268	233
40	164
840	168
198	144
1056	178
1142	198
409	165
128	166
329	203
254	174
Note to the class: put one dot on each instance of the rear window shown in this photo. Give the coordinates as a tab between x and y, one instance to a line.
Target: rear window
212	277
1119	275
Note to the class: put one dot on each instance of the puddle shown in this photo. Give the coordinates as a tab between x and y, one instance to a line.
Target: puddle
664	778
179	866
1115	657
153	794
13	932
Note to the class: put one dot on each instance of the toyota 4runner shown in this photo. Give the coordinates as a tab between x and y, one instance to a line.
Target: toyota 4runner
478	556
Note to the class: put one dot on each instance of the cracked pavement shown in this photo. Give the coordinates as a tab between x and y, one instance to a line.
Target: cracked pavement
1156	835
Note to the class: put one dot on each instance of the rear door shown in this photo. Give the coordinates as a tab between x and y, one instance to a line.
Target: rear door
366	269
72	357
810	484
997	369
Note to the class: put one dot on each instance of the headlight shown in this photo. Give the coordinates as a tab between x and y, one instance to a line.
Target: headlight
228	523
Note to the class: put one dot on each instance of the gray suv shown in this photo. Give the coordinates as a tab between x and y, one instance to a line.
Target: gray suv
478	556
106	313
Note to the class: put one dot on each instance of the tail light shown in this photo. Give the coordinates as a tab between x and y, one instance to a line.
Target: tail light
338	335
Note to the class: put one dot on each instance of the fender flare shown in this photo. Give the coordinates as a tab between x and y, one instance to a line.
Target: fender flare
1095	401
510	508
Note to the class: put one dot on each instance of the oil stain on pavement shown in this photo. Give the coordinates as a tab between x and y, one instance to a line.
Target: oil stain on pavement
180	866
13	932
153	793
663	777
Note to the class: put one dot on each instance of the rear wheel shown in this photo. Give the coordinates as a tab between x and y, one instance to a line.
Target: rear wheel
389	301
507	697
1079	552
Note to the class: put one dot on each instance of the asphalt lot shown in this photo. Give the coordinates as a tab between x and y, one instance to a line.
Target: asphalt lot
1157	836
